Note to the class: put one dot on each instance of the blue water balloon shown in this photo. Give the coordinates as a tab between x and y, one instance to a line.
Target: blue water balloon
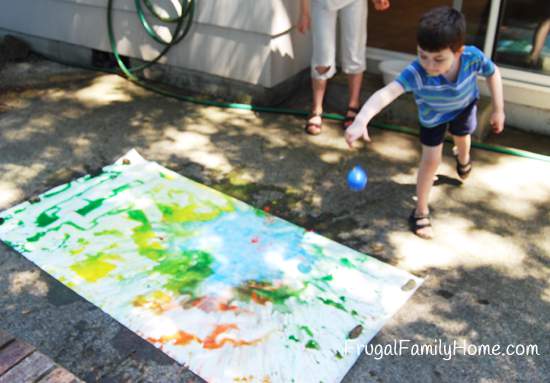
357	178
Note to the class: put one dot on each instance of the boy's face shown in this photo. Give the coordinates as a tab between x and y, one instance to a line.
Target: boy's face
440	62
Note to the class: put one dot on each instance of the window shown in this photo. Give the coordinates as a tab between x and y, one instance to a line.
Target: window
395	29
522	38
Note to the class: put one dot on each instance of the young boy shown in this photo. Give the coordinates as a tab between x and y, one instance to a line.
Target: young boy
443	82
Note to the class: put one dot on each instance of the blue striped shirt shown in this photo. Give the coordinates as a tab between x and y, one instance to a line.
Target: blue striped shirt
440	100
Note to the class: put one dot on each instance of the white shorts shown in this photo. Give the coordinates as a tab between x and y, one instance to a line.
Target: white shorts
353	42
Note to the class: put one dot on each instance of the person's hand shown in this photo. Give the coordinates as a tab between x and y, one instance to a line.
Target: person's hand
497	121
381	5
355	131
304	23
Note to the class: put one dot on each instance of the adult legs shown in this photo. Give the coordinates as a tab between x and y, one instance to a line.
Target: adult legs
353	25
539	39
323	30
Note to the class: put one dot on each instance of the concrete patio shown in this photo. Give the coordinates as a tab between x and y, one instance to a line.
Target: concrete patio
487	270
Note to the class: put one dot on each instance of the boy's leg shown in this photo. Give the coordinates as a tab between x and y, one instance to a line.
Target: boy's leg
431	158
462	145
432	147
461	129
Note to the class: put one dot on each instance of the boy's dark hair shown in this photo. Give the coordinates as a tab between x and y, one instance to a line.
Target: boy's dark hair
441	28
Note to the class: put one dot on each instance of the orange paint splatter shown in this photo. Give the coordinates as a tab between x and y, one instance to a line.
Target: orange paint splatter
267	209
211	342
258	299
181	338
227	307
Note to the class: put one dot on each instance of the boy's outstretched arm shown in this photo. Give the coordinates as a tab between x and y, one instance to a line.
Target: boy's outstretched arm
378	101
494	82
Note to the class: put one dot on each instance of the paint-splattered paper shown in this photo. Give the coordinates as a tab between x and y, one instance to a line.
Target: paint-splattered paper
232	292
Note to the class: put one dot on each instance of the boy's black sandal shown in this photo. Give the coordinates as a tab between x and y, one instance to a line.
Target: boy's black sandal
463	170
348	120
416	226
317	127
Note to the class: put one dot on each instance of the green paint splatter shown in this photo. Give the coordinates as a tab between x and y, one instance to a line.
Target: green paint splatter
293	338
327	278
262	291
338	355
346	262
36	237
115	233
307	330
311	344
192	212
45	219
145	238
92	205
186	271
58	190
332	303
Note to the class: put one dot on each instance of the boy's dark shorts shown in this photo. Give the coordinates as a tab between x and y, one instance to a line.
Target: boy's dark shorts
465	123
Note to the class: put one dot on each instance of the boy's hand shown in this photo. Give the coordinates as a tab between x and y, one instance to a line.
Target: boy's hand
304	23
497	122
381	5
356	131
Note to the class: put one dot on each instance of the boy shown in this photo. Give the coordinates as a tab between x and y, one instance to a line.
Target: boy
443	81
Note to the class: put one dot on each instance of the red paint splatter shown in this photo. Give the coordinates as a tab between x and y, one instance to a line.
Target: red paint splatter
267	209
255	240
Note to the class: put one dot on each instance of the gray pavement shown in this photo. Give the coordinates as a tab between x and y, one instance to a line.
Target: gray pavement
487	270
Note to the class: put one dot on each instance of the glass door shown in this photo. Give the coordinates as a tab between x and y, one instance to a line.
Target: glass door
514	33
522	36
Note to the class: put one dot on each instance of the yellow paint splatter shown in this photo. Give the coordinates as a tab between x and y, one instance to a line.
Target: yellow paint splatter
157	301
95	267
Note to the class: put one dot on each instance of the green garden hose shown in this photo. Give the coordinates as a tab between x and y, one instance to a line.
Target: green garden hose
183	24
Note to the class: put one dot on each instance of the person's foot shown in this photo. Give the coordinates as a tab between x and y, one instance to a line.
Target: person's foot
462	169
350	116
314	124
421	225
533	61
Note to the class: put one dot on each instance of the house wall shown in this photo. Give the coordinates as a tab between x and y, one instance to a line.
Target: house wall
251	41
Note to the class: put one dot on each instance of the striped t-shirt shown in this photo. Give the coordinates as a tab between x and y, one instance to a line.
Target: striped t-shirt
440	100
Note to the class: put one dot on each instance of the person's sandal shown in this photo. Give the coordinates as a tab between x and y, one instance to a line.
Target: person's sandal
313	128
463	170
416	226
348	120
